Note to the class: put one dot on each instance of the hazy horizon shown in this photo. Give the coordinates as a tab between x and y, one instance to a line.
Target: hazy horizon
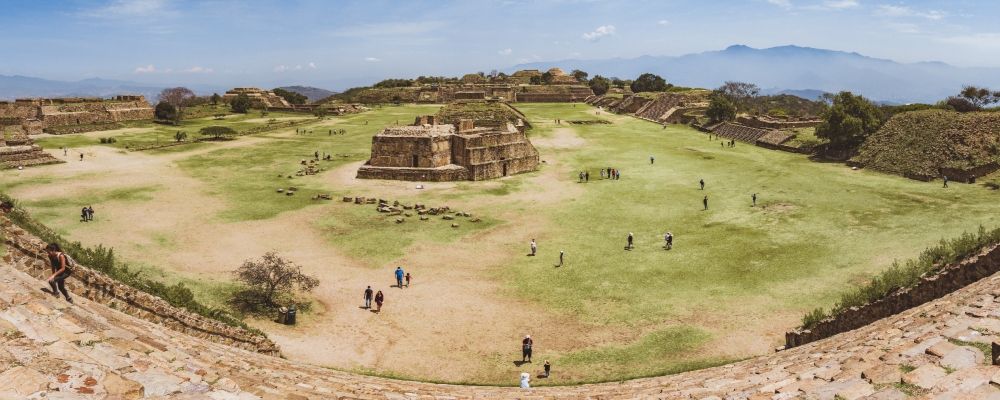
334	45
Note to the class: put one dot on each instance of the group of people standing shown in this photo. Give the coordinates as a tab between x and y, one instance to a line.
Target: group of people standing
87	214
611	173
379	297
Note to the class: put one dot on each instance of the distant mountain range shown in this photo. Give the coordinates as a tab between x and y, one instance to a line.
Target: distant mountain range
794	69
311	93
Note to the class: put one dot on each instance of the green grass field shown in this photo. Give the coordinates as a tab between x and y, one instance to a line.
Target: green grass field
817	229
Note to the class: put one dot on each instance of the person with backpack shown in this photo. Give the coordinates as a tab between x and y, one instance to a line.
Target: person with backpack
62	265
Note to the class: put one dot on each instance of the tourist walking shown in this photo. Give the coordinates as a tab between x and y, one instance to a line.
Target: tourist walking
83	214
81	156
408	279
581	176
754	198
651	159
62	265
945	180
525	380
90	213
399	277
670	240
586	176
534	247
705	202
379	298
548	368
526	348
702	183
630	238
561	257
368	298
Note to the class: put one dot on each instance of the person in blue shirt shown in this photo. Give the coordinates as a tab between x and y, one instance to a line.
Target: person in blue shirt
399	277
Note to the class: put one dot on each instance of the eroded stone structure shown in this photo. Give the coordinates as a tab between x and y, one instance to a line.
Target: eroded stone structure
434	150
259	98
63	115
17	149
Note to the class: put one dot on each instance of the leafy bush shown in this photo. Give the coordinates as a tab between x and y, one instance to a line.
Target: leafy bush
103	259
908	274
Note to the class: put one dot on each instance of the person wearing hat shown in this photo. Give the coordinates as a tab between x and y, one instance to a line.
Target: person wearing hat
526	348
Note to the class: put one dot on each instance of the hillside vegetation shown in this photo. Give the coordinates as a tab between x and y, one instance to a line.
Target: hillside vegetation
921	142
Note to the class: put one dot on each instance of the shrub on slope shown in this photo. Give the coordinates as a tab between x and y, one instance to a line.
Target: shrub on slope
921	142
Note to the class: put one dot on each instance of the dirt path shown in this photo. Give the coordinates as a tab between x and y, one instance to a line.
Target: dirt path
562	138
457	312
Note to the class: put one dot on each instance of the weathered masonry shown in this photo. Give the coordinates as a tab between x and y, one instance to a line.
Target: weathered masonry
429	151
64	115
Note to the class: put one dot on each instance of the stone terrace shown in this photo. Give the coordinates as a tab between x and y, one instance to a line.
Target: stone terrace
51	349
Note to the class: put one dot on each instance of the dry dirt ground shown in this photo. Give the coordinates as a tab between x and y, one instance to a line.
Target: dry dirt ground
455	323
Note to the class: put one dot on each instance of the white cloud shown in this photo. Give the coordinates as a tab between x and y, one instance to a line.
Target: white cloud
311	65
389	29
601	31
663	22
145	70
840	4
129	8
903	27
505	52
199	70
372	59
904	11
781	3
984	41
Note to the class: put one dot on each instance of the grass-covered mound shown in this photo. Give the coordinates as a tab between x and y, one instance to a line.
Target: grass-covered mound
484	113
919	143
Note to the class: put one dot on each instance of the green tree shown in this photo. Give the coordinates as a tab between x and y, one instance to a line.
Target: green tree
580	75
848	122
180	136
291	97
547	77
535	80
241	104
720	109
166	112
599	84
979	96
649	83
217	132
216	99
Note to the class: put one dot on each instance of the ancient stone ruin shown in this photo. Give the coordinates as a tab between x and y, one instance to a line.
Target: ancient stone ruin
259	98
71	115
436	149
17	149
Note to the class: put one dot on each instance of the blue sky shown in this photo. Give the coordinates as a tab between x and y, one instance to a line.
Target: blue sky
334	44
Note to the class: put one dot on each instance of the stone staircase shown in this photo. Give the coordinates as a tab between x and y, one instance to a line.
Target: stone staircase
51	349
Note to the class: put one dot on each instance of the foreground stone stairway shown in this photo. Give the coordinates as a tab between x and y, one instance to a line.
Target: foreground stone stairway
51	349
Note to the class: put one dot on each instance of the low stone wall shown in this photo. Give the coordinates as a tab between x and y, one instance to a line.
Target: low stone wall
414	174
24	252
970	174
949	279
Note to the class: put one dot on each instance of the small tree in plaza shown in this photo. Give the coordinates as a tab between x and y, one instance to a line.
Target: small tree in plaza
270	281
